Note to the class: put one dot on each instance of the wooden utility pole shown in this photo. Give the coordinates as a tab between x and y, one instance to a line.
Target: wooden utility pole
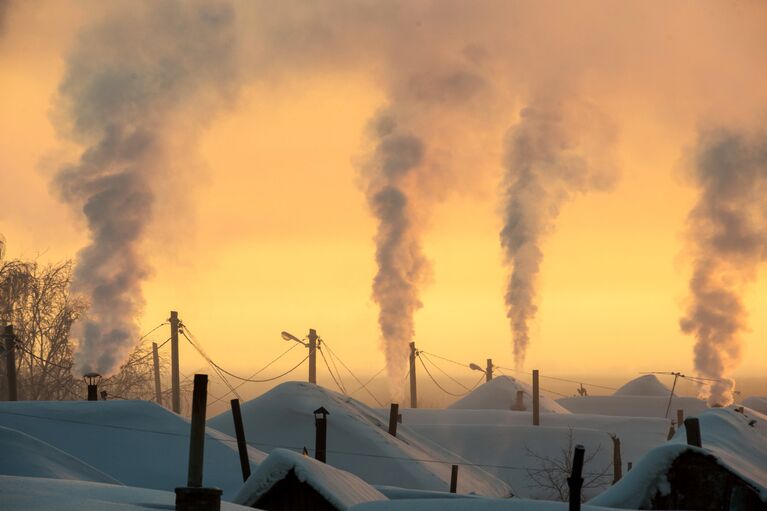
393	415
242	446
617	462
453	478
489	370
10	362
575	481
413	389
175	378
313	355
156	361
536	399
193	497
671	396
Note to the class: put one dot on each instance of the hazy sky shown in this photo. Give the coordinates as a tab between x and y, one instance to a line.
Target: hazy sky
269	229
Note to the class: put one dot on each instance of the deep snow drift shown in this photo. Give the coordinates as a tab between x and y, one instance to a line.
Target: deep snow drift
646	385
500	393
358	441
136	442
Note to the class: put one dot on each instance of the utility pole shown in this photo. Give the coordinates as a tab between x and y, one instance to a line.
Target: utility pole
489	370
175	380
313	337
413	389
10	362
671	396
156	361
536	399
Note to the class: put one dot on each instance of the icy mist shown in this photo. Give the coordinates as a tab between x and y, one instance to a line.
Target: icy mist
727	230
127	79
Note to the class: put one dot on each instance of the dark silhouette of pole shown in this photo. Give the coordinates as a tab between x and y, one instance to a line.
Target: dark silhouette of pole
536	399
193	497
393	415
489	370
671	396
242	446
175	379
313	355
575	481
9	339
156	362
321	434
453	478
692	428
679	418
413	388
617	462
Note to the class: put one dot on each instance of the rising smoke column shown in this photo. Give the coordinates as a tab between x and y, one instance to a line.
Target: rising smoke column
552	153
401	264
727	229
129	81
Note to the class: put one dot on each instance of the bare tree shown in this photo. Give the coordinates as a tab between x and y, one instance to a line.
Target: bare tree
551	473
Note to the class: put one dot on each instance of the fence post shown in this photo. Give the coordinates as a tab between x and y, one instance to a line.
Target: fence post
156	364
10	362
193	497
575	481
453	478
617	462
692	428
393	416
242	446
536	399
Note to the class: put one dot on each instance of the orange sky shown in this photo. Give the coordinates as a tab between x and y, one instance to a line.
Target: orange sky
274	233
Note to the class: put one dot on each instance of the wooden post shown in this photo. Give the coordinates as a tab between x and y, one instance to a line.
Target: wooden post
413	389
313	355
692	427
175	380
536	400
629	466
242	446
193	497
575	481
393	416
10	362
679	418
321	434
519	406
197	437
453	478
156	362
489	370
617	462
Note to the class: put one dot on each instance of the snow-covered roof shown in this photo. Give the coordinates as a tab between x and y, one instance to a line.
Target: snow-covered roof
633	406
500	393
136	442
757	403
726	435
25	455
40	494
645	385
338	487
358	440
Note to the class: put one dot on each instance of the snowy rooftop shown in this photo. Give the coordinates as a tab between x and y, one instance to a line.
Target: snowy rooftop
340	488
646	385
500	393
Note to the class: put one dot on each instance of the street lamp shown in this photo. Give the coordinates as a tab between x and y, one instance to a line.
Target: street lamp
287	336
476	367
93	380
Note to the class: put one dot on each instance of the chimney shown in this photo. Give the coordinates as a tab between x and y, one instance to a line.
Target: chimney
93	380
519	406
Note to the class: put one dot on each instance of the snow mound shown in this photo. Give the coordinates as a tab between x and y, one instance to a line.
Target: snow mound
756	403
646	385
725	434
27	493
25	455
500	393
341	489
358	441
633	406
136	442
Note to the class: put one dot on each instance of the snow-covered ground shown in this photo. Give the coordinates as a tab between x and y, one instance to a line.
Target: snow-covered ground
358	441
469	505
135	442
40	494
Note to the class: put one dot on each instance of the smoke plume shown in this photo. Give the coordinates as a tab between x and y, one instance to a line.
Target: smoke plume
552	153
727	229
129	81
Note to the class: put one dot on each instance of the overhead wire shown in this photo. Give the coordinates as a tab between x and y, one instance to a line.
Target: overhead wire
352	374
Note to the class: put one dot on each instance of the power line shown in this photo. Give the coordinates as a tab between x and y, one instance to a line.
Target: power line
443	371
436	382
353	375
369	381
340	387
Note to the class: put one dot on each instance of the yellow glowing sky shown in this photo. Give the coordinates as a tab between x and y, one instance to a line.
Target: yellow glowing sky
276	234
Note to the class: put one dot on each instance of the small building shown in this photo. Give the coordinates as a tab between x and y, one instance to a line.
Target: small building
287	481
729	472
